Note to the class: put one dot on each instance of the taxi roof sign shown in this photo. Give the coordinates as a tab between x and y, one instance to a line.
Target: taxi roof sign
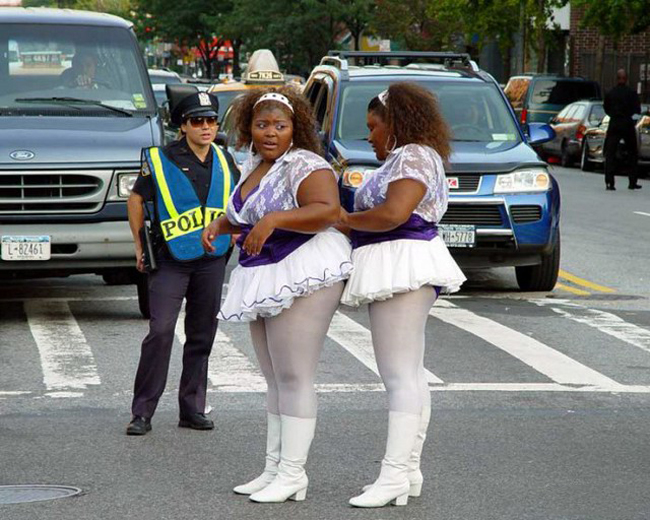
264	75
262	67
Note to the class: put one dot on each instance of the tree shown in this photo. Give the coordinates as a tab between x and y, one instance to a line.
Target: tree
191	25
614	19
356	15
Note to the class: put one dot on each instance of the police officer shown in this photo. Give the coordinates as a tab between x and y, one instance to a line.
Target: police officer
189	182
621	103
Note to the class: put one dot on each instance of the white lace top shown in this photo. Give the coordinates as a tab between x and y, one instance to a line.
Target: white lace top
411	161
278	189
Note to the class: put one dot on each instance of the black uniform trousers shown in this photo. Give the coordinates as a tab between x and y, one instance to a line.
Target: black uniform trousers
200	283
613	164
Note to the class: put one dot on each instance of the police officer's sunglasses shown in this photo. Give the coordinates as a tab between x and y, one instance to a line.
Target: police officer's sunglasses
197	122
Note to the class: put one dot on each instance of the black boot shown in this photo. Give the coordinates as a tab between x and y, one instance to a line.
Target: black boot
138	426
196	421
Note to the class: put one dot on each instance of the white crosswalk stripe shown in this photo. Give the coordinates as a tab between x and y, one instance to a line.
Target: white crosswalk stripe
553	364
603	321
69	368
66	358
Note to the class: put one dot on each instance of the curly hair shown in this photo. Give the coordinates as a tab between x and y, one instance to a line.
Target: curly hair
304	124
413	115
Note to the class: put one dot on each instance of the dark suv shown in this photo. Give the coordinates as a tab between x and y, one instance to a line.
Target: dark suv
504	207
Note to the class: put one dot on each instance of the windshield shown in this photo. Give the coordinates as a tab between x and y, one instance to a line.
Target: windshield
474	111
563	92
81	67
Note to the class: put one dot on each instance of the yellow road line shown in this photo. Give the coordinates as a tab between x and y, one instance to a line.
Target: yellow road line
573	290
585	283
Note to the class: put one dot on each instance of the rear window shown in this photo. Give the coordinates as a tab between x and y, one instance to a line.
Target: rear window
563	92
516	91
597	114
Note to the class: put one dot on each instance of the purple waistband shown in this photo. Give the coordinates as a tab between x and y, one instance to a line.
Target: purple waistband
278	246
415	228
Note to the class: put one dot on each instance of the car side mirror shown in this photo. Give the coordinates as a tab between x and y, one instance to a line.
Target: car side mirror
221	139
539	133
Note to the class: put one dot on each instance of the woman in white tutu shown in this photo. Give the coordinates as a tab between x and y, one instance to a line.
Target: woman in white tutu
400	266
290	275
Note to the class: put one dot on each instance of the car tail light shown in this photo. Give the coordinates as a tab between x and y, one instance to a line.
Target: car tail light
580	133
524	116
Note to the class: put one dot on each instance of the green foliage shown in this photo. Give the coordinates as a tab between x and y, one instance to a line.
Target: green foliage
615	18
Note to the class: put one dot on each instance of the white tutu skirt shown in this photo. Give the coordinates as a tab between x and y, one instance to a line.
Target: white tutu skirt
266	290
397	266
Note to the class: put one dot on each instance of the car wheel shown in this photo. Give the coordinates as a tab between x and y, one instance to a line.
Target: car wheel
541	277
585	164
565	158
142	284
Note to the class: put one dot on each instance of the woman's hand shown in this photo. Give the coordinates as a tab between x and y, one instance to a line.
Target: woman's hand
139	258
259	235
209	234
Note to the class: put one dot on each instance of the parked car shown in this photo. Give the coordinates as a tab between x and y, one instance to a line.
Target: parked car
76	109
570	126
504	206
593	147
163	77
537	98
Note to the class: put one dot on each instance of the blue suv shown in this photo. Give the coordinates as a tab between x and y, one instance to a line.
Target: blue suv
504	206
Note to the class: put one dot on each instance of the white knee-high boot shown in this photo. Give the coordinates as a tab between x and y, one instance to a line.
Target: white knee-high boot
415	475
291	480
393	484
273	429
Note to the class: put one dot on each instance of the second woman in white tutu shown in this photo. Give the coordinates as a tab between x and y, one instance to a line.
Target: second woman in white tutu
400	266
290	274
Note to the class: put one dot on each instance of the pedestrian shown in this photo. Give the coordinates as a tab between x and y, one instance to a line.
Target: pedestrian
400	266
289	280
621	103
189	182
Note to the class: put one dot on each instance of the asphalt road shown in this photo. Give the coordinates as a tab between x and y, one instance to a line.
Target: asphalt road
541	401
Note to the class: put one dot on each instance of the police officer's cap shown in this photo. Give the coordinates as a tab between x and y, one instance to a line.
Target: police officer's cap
186	101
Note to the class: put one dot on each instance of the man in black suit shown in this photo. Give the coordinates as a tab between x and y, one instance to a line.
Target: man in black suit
621	103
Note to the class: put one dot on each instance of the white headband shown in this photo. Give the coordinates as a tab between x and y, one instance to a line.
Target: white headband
383	97
274	96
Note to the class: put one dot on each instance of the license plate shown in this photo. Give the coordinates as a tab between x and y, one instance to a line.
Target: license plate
20	248
458	235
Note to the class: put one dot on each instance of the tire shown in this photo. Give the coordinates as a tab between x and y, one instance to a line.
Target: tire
585	164
541	277
142	283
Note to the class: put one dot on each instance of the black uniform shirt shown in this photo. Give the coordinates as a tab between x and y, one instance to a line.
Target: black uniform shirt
199	173
621	103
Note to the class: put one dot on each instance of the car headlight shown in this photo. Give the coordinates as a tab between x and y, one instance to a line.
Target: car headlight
125	182
353	175
523	181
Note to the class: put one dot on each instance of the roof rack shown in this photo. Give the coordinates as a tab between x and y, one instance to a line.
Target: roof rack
339	58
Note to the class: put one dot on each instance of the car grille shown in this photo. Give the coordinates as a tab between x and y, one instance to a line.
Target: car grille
59	192
466	183
475	214
525	214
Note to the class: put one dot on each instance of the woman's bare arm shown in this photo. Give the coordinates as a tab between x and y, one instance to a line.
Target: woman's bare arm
402	197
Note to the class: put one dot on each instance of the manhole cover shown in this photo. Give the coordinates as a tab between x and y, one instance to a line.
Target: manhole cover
20	494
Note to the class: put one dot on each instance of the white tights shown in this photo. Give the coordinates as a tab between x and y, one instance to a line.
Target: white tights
398	332
288	347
